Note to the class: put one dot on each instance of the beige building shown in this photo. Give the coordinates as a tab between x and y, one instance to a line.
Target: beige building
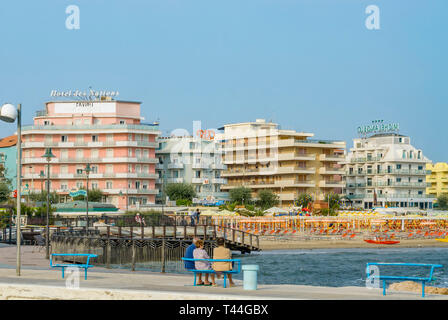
259	155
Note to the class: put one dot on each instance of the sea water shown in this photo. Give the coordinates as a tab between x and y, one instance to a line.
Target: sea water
334	267
343	267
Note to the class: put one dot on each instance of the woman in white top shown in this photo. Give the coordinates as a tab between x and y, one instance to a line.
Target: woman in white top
200	253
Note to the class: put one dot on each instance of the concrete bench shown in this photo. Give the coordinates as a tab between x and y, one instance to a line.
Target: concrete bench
84	266
234	270
382	277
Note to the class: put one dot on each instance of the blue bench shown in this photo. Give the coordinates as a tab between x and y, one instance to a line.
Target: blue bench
84	266
384	277
235	270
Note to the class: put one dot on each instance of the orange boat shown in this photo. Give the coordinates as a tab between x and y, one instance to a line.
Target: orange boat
380	241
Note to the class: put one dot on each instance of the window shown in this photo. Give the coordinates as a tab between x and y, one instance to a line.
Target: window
198	189
64	154
109	153
138	168
420	192
79	184
122	122
145	169
420	167
79	171
95	185
108	184
420	180
94	153
64	138
404	154
411	154
64	185
398	166
94	169
398	179
129	152
197	173
146	153
137	153
64	169
145	185
137	184
419	155
79	154
110	137
46	123
95	138
109	168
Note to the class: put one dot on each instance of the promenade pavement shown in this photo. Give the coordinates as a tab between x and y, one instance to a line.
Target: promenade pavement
38	281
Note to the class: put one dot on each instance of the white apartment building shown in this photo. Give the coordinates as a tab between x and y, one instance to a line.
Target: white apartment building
385	167
191	160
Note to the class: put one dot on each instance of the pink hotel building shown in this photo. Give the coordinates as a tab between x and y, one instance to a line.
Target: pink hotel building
106	134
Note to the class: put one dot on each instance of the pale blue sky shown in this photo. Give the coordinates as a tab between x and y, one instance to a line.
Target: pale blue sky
310	65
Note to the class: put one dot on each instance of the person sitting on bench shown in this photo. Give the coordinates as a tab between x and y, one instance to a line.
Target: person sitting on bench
200	253
221	252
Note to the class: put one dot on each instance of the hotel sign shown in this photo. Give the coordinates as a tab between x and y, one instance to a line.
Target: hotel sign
378	126
83	94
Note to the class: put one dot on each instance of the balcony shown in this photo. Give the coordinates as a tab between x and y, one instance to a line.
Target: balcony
295	183
201	165
329	170
91	160
197	180
218	166
175	166
153	129
219	181
175	180
332	158
365	159
296	156
331	184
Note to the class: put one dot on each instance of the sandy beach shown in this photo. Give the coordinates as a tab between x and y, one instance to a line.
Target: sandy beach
284	244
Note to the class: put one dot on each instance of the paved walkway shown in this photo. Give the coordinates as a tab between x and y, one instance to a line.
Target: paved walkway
38	281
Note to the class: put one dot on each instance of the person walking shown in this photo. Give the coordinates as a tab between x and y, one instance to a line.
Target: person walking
198	213
221	252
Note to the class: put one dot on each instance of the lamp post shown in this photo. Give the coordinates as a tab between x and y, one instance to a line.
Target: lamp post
42	176
87	169
48	155
9	113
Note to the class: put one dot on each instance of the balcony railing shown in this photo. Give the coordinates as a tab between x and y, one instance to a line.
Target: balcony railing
152	128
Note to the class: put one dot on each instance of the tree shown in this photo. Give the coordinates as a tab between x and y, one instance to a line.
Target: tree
304	199
42	197
442	202
4	192
240	195
267	199
95	195
177	191
333	200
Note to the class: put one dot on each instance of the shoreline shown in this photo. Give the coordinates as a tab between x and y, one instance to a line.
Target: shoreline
282	244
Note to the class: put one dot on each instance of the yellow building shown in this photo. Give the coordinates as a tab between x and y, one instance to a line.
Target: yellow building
259	155
438	178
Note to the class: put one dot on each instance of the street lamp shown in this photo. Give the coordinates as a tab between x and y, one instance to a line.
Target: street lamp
48	155
87	170
9	113
42	176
